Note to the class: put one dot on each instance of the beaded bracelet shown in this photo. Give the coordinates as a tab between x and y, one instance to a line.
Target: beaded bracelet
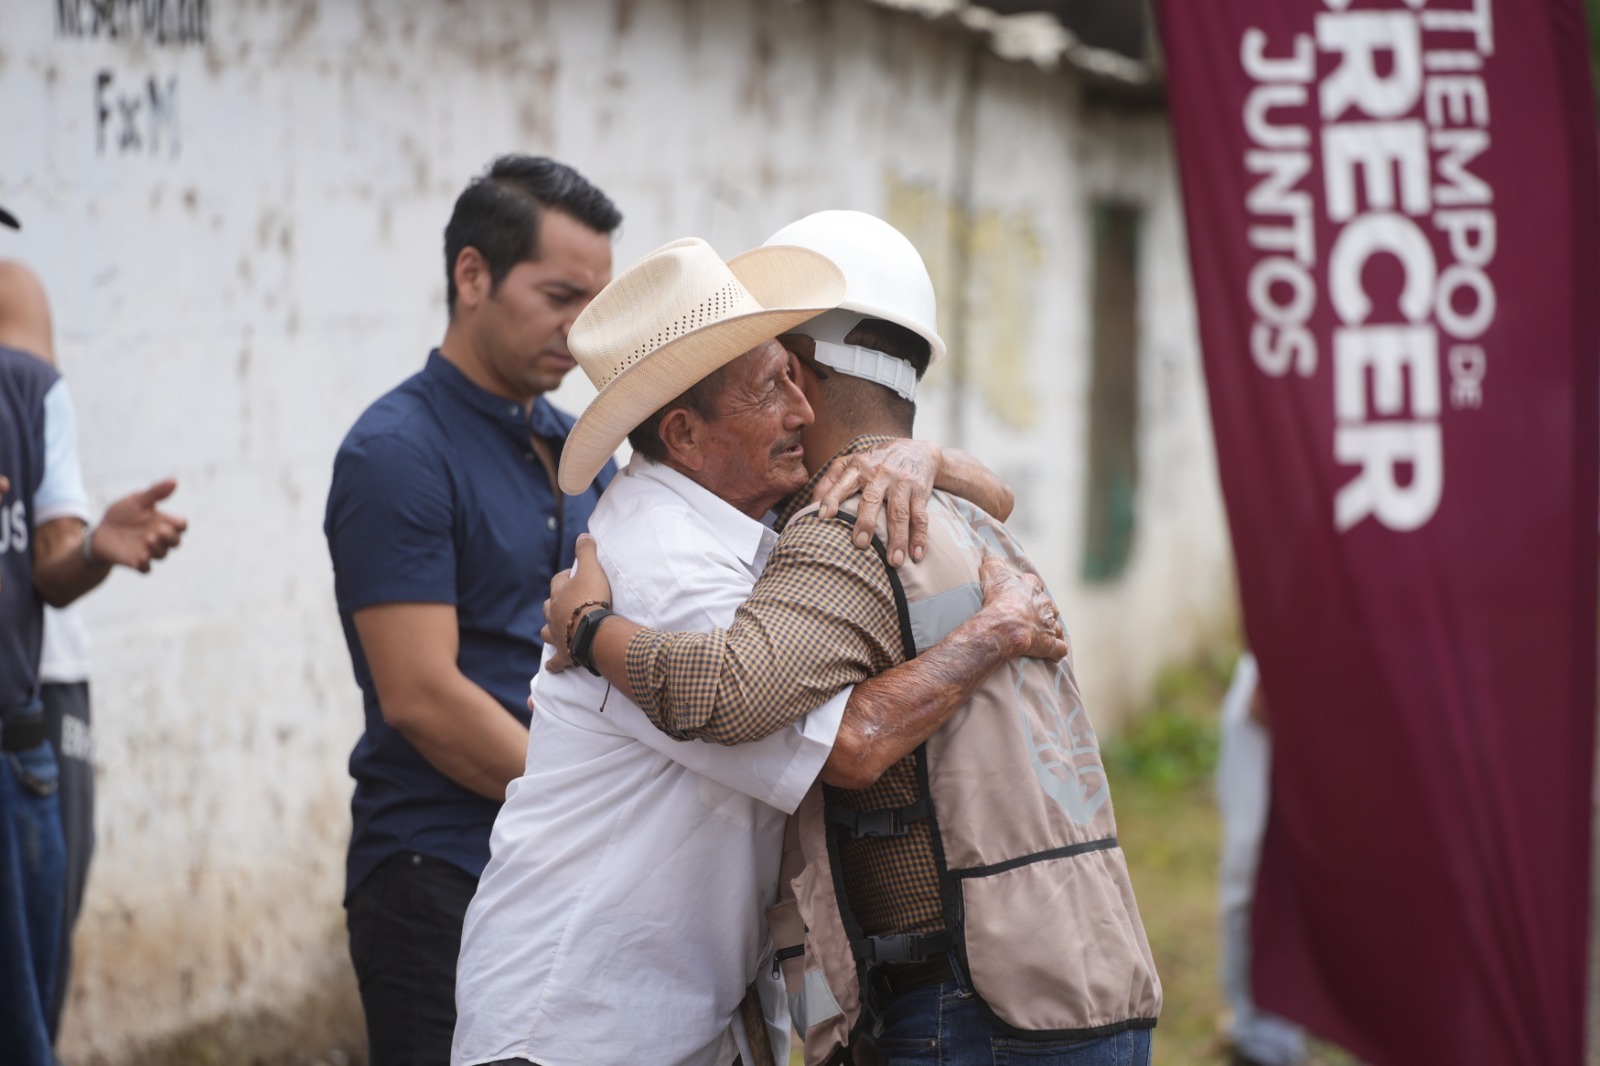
577	612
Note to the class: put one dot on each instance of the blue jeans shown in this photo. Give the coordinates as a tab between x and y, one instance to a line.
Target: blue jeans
943	1025
32	871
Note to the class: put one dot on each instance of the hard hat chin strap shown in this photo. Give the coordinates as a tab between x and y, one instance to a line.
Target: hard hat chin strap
897	375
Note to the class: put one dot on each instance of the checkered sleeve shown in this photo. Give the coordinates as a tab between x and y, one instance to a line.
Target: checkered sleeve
822	616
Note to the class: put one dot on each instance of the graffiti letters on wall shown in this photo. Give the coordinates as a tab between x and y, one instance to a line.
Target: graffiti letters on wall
135	111
161	22
135	117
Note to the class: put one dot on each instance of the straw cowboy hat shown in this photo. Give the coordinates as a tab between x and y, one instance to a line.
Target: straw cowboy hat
672	318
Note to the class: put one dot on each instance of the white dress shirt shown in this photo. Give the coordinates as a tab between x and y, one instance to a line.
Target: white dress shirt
621	915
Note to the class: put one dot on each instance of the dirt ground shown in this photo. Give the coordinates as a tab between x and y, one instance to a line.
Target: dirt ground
324	1030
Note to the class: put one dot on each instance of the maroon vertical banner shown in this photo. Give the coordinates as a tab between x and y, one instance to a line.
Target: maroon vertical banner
1392	217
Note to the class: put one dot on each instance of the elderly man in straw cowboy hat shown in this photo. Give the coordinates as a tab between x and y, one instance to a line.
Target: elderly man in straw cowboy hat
619	919
970	902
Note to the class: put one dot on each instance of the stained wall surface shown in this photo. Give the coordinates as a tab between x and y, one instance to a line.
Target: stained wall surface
237	207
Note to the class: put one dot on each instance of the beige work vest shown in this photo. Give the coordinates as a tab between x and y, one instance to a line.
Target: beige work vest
1037	899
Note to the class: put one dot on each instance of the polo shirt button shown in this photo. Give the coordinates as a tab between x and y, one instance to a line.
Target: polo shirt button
550	522
529	457
514	411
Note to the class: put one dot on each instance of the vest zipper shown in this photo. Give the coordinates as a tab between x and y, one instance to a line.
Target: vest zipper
783	955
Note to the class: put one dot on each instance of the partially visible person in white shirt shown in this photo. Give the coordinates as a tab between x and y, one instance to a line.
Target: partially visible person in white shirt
619	920
1244	770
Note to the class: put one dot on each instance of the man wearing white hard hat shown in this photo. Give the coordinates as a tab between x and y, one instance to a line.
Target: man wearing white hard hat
619	918
970	901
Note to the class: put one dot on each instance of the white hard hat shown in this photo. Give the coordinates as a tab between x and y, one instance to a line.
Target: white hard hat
884	274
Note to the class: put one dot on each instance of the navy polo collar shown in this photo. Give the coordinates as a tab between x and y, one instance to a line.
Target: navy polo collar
508	414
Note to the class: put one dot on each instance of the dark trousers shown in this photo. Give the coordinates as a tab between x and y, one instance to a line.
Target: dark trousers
405	933
66	722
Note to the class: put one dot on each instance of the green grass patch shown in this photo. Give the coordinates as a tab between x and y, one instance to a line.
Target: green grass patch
1162	767
1171	747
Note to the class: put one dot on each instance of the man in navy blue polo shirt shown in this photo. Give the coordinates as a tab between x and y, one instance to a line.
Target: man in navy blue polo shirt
445	526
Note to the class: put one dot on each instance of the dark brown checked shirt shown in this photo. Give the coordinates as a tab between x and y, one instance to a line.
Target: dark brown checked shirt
822	616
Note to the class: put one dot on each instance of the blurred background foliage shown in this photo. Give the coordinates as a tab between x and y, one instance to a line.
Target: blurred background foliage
1162	767
1171	746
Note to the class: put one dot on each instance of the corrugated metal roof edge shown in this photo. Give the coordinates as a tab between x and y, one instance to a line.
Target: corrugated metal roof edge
1037	37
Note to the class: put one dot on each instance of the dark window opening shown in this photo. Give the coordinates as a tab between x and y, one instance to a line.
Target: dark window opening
1113	482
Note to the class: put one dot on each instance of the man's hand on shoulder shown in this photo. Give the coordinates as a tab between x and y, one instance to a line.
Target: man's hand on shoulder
573	593
896	477
1018	605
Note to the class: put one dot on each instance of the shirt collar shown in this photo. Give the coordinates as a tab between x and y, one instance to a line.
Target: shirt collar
750	540
509	414
802	499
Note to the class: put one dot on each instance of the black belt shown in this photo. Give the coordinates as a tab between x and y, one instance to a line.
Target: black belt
894	981
22	728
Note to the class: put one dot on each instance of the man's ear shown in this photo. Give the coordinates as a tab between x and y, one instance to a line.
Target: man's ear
809	380
683	435
473	278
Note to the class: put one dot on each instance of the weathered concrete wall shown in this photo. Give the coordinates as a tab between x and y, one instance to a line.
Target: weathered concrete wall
238	214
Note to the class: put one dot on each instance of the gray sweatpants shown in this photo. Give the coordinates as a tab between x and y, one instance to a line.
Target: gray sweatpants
66	716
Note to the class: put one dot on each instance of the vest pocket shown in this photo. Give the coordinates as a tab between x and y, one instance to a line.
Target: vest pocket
788	942
1055	946
811	1001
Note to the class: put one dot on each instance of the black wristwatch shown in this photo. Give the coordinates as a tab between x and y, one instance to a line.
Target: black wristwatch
582	649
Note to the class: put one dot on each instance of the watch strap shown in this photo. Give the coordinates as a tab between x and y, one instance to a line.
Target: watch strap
583	634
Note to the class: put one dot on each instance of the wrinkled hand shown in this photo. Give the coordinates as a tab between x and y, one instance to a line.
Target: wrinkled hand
133	533
585	581
1019	601
898	474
